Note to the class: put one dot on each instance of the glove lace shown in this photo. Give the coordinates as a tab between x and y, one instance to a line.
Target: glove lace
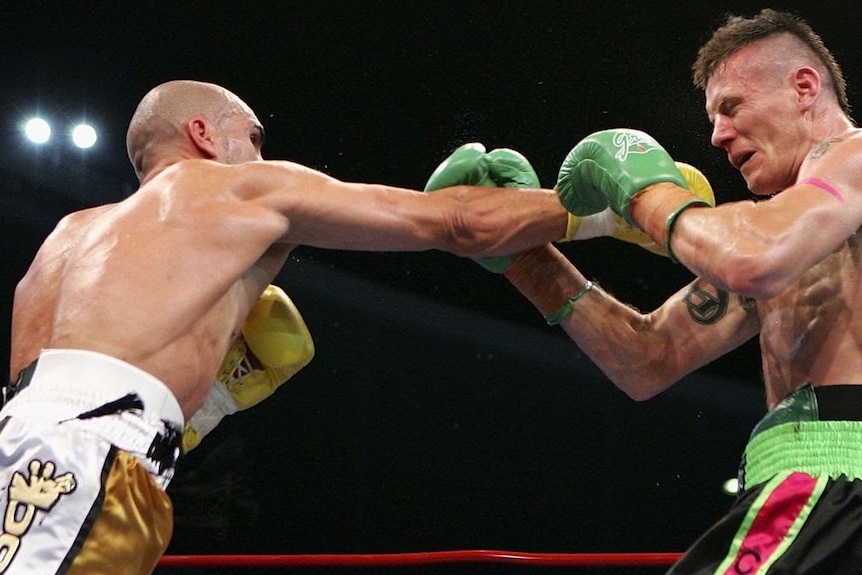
239	367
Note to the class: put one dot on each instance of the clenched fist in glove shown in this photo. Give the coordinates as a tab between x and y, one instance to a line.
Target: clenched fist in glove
610	168
608	223
471	165
274	344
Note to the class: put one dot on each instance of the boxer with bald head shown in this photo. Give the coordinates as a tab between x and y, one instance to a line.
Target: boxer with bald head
128	310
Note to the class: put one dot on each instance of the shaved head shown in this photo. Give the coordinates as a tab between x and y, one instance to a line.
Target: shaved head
163	114
798	46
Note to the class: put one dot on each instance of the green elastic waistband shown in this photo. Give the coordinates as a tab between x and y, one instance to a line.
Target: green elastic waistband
818	448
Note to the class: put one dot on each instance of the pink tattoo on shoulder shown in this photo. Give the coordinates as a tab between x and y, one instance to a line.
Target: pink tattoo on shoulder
817	182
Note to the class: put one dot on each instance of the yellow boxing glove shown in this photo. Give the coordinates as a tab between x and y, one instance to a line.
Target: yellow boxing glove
608	223
274	344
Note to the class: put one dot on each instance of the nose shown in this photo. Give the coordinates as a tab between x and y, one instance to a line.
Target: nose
722	132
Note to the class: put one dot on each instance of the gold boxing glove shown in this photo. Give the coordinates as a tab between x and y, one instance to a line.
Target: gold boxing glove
274	344
608	223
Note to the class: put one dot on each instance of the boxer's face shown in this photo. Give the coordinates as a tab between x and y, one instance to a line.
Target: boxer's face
752	106
240	136
243	144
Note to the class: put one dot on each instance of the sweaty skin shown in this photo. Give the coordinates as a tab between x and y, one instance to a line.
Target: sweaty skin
796	253
164	279
787	266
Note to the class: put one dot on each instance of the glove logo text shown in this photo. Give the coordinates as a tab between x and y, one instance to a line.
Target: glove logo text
632	143
38	492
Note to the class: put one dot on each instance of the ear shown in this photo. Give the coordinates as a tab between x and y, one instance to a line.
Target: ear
198	129
806	81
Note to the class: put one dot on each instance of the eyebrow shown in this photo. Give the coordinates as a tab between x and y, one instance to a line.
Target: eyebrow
722	107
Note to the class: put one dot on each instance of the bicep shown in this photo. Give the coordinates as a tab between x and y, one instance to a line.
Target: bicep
322	211
701	323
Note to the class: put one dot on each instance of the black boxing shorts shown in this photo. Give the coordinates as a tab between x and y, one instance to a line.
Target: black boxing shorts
799	510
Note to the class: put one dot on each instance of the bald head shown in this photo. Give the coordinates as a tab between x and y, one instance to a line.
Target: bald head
160	121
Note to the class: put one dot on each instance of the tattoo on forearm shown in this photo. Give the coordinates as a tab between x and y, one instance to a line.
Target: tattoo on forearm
706	307
819	150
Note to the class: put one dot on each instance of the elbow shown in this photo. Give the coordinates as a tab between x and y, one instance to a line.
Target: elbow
641	391
760	277
640	387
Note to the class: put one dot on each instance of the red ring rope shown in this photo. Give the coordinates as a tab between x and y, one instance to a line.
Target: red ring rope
422	558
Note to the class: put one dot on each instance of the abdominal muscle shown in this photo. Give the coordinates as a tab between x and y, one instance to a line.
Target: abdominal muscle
812	333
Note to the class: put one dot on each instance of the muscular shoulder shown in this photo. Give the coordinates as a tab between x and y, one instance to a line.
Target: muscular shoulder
837	153
81	218
247	180
835	165
68	231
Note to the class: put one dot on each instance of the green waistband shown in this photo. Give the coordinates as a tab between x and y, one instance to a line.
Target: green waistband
801	405
818	448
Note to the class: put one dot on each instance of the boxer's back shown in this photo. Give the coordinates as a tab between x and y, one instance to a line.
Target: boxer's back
157	280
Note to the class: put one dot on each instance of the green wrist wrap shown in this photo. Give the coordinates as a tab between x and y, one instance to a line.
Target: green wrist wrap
561	314
471	165
671	220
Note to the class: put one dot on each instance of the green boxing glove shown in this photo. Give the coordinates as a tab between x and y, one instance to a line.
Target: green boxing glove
470	165
611	167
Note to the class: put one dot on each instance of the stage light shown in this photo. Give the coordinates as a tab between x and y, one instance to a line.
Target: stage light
84	136
730	487
37	130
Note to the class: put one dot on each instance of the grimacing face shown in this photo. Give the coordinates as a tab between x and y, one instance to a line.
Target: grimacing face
757	121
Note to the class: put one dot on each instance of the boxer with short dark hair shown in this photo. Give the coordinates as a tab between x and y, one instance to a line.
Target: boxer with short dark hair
787	266
129	310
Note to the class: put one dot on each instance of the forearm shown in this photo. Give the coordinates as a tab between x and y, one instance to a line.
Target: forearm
657	209
617	338
545	277
500	221
750	248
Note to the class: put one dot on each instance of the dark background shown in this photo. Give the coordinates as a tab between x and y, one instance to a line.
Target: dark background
439	412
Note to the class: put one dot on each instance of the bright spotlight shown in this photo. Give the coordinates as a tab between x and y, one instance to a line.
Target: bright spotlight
84	136
37	130
730	487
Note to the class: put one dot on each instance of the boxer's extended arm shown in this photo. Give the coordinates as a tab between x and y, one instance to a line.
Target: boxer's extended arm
320	211
642	354
274	345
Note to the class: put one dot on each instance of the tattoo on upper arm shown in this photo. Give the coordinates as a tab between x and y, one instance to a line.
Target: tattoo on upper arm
705	306
708	305
819	150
